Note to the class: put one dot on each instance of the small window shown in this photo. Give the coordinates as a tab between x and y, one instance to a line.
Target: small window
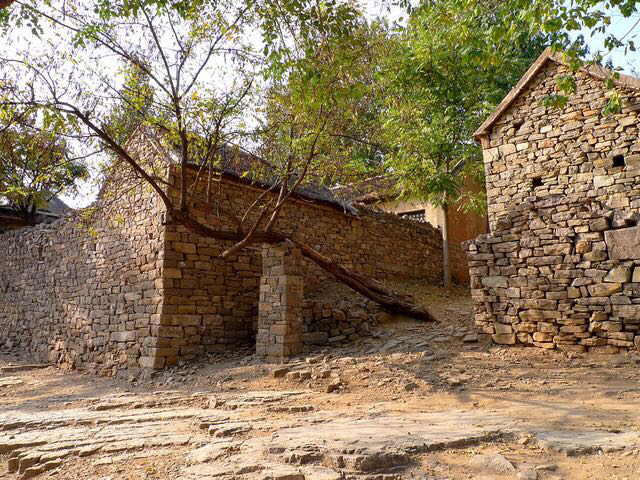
537	182
618	161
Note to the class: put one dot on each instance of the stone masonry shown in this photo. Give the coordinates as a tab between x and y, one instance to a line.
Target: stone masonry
126	292
211	303
560	267
85	295
280	312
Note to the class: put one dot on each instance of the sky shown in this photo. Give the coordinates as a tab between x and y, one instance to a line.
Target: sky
629	63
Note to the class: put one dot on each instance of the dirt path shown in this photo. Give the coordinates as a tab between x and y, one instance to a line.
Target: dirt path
413	401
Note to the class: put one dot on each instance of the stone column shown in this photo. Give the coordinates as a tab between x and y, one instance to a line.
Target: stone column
280	312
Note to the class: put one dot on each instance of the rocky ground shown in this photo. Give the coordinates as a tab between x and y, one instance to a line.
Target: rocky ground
412	401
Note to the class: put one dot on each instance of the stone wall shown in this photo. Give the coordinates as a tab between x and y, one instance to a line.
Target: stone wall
127	292
563	187
538	152
280	311
211	302
84	296
338	322
552	275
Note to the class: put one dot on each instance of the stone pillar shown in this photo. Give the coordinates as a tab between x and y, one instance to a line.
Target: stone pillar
280	312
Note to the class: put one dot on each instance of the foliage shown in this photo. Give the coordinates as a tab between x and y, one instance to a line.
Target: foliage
311	112
566	26
35	166
438	92
189	74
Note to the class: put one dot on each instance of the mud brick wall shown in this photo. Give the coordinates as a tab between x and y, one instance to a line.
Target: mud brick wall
559	266
84	296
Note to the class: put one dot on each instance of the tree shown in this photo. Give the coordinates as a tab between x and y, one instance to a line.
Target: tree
438	91
563	23
166	56
35	167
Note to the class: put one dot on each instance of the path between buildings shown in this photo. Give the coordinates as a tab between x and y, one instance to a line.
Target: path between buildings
413	401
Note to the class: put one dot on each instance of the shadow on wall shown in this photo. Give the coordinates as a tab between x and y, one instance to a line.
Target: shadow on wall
83	296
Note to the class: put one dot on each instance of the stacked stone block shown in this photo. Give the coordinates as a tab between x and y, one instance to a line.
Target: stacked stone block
83	295
280	312
222	295
338	322
559	266
126	292
553	274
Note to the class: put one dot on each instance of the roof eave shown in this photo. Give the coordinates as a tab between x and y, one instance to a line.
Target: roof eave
506	102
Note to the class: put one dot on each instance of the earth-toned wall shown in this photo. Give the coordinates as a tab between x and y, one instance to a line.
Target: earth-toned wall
211	302
559	268
126	292
84	295
539	152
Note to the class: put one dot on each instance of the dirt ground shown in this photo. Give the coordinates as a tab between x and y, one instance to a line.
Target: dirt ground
412	401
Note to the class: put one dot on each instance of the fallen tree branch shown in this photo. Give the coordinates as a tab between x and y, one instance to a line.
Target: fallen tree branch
373	290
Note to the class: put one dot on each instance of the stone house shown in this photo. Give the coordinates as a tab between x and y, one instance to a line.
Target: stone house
560	266
128	291
380	193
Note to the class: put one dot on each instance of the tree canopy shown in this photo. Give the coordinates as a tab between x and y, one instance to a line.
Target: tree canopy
35	166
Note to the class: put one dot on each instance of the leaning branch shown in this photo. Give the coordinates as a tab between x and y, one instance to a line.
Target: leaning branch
385	297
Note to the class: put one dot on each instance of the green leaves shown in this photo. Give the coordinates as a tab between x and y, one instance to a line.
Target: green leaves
444	76
555	101
614	105
34	165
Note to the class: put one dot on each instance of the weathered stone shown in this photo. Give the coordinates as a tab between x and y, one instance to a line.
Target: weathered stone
557	237
599	224
316	338
528	474
604	289
623	244
618	275
504	339
627	311
495	463
135	292
495	282
280	372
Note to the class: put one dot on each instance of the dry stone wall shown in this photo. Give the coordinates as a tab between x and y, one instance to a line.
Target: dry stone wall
281	297
212	303
84	296
338	323
539	152
559	268
129	292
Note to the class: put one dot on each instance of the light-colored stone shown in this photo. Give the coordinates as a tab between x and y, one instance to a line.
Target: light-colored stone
623	244
604	289
618	275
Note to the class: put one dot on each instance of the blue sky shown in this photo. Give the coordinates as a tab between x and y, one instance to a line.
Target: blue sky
619	27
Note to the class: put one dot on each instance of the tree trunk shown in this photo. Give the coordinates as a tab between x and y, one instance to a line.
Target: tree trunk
385	297
446	267
373	290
